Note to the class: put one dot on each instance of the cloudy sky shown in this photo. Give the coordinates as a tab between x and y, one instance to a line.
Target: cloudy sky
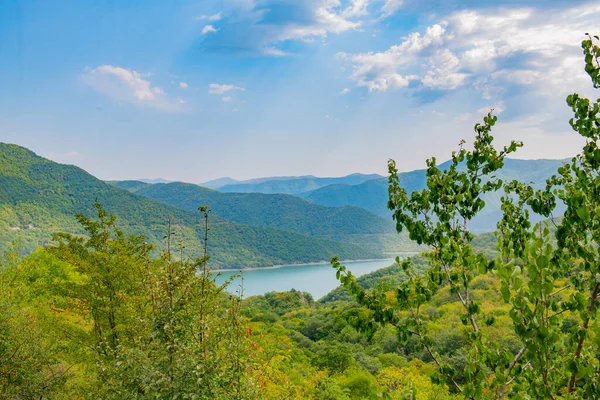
195	90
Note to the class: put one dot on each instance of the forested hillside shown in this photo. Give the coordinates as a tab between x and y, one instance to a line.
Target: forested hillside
39	197
373	196
350	225
276	210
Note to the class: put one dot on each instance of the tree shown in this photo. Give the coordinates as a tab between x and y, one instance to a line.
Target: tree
160	327
29	367
546	281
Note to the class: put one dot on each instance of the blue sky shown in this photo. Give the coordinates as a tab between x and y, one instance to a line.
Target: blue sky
195	90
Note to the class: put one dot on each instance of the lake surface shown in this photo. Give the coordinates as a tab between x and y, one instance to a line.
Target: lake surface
316	279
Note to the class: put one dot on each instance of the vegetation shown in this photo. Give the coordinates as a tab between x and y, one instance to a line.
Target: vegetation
550	290
275	210
39	197
351	225
373	195
97	316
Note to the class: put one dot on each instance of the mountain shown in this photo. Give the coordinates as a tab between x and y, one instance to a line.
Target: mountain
373	196
157	180
349	224
291	184
39	197
216	183
275	210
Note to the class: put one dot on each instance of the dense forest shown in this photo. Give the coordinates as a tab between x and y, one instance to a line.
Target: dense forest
107	313
39	197
346	224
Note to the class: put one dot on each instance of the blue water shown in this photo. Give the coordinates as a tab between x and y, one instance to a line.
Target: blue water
316	279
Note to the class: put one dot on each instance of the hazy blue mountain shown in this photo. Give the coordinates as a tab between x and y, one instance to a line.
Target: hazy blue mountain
216	183
157	180
39	197
292	185
373	196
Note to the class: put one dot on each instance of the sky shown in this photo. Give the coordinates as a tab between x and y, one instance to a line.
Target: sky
197	90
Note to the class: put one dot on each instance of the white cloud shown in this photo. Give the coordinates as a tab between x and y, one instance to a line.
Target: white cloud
272	51
183	85
320	18
379	71
345	91
215	17
226	99
391	6
215	88
443	71
209	29
472	48
129	86
357	8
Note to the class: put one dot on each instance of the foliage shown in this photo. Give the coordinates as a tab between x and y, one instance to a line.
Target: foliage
275	210
28	367
373	195
544	283
39	197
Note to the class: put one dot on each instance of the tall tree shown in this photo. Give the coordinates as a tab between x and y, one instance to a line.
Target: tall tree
545	281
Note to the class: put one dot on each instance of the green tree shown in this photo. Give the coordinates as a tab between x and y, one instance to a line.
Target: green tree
545	282
29	367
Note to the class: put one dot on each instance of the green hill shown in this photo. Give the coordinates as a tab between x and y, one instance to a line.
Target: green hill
353	225
39	197
276	210
373	196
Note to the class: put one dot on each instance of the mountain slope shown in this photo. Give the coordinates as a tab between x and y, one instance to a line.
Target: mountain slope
372	195
276	210
39	197
215	183
292	185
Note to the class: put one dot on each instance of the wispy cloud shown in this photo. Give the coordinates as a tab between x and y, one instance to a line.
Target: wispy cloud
390	7
183	85
217	89
209	29
262	27
215	17
345	91
129	86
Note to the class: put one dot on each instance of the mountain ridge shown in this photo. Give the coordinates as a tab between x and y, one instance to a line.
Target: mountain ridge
39	197
259	209
372	195
289	184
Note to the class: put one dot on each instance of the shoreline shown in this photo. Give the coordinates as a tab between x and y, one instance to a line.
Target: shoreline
298	265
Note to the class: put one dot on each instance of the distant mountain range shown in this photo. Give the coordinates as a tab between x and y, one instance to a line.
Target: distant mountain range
372	195
39	197
284	184
157	180
345	216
